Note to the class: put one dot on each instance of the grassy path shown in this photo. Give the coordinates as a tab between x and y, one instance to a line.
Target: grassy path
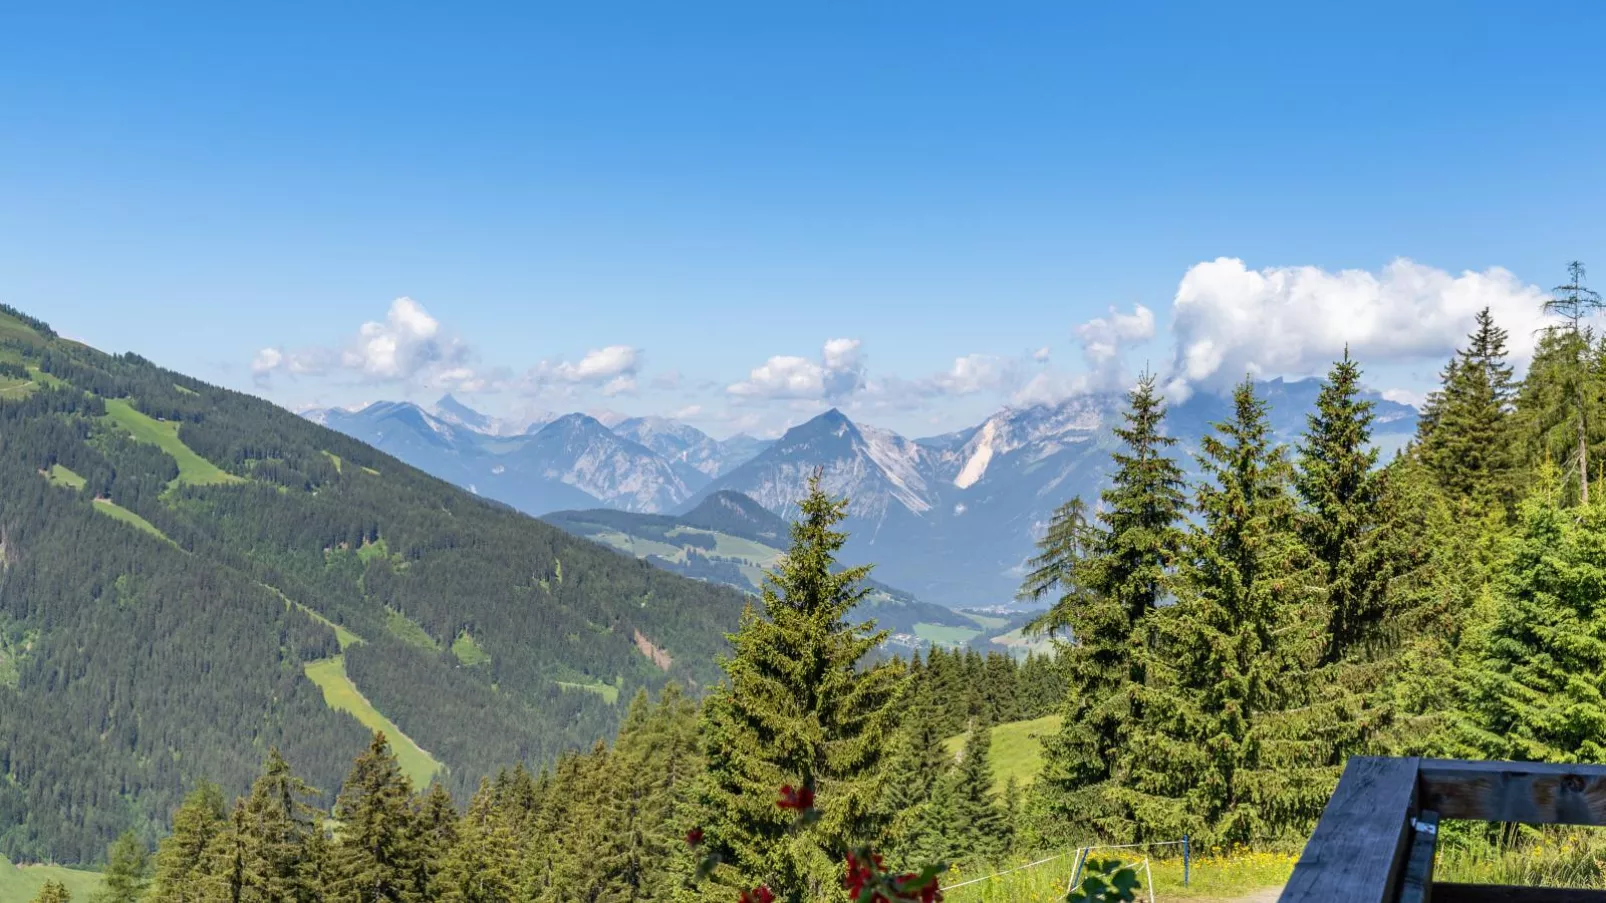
192	468
340	694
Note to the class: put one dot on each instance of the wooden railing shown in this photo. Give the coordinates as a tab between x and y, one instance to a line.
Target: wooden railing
1376	839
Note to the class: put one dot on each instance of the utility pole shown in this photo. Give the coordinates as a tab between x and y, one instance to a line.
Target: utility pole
1575	302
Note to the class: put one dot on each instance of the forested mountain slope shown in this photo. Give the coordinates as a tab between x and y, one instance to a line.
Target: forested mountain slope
174	555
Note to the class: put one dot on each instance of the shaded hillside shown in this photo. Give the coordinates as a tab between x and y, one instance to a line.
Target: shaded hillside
173	556
732	539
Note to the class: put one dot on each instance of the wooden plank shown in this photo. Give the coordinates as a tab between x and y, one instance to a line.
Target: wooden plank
1416	886
1359	846
1532	793
1495	893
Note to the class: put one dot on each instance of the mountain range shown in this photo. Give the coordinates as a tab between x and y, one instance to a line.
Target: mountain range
950	518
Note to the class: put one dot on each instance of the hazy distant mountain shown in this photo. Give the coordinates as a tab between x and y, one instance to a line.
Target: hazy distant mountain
697	456
577	450
951	518
731	539
549	464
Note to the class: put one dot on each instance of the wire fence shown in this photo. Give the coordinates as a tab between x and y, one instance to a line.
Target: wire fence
1081	854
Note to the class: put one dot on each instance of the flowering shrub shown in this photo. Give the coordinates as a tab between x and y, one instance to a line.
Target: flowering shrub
865	877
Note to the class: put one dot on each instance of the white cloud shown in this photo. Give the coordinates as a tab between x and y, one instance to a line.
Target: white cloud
1229	320
408	346
598	366
619	385
667	381
974	373
839	373
267	360
1104	341
1406	396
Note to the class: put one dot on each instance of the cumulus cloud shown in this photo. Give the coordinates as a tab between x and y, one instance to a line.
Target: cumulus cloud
1406	396
597	367
974	373
838	373
1104	342
1229	320
409	345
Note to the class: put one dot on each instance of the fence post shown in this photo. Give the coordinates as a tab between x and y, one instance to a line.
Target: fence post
1185	860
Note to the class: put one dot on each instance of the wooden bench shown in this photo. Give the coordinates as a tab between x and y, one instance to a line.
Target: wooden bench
1376	838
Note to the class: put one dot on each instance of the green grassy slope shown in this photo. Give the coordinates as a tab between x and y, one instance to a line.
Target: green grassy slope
149	664
343	696
119	513
1017	749
192	468
19	884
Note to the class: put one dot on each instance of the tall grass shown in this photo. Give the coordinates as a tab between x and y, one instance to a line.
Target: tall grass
1551	856
1224	876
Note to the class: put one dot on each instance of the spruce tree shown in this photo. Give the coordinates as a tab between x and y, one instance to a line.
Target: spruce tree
1064	544
1339	522
1570	367
916	764
1536	691
377	848
436	819
1466	434
1111	593
483	865
53	892
181	858
127	870
980	829
269	852
799	710
1220	750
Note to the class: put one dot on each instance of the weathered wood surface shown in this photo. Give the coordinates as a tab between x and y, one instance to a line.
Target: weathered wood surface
1416	885
1495	893
1529	793
1358	848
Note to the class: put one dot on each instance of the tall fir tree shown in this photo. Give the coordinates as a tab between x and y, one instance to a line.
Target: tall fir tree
916	764
980	831
799	710
1221	749
1111	592
376	855
127	872
436	819
181	857
269	849
1466	431
483	865
1536	691
1568	364
1064	544
1339	522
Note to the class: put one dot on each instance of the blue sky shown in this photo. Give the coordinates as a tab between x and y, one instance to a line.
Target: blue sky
748	212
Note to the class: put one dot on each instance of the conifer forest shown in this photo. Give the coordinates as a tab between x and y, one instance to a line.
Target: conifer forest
1222	645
